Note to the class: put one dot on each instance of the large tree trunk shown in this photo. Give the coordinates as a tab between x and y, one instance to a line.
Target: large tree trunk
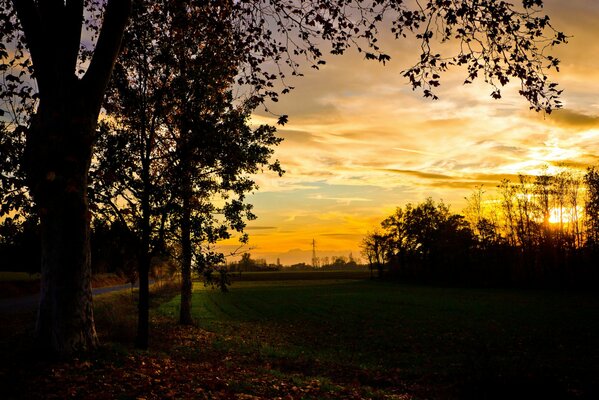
59	146
57	158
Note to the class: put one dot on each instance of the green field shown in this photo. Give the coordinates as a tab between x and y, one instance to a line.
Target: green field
299	275
426	340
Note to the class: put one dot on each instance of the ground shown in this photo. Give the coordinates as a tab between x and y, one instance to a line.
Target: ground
328	338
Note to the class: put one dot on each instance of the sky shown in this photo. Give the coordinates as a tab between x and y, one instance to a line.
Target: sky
360	142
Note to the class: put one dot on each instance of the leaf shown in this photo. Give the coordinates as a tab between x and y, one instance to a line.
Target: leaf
283	119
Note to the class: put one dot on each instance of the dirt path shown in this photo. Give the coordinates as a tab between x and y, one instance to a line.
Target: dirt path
26	303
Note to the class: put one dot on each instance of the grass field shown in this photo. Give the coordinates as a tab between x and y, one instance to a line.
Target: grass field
432	341
299	275
315	337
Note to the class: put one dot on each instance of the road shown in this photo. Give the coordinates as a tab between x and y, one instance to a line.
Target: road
25	303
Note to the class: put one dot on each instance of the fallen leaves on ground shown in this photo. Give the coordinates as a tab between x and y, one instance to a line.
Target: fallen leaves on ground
184	364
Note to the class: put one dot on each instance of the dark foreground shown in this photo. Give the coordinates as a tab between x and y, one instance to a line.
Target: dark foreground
328	338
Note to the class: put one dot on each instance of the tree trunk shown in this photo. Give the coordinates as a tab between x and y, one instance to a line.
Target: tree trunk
145	258
58	154
186	250
143	320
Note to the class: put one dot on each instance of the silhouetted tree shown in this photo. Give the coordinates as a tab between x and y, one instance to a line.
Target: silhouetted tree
216	149
376	249
591	180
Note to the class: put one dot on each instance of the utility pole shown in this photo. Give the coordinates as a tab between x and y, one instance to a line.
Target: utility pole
314	259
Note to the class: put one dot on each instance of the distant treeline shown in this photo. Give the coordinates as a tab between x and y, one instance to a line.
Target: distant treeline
334	263
540	231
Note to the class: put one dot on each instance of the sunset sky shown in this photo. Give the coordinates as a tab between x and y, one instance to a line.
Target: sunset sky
360	142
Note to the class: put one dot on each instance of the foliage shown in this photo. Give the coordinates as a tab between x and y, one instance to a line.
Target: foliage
246	264
376	249
421	236
591	180
114	249
496	40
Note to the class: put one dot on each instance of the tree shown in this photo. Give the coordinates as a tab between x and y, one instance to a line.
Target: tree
395	226
421	238
58	149
591	180
178	142
484	227
130	157
246	263
376	249
498	41
216	149
573	194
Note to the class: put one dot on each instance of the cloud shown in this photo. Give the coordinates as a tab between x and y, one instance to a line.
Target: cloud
426	153
344	235
259	228
343	200
495	178
574	119
418	174
297	137
465	186
581	164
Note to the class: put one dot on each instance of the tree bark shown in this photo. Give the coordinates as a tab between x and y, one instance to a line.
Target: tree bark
58	153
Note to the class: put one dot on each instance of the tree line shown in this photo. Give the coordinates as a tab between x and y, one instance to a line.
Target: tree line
537	231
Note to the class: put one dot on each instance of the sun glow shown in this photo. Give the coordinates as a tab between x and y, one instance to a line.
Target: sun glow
565	215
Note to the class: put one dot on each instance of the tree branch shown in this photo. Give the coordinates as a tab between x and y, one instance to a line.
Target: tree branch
73	22
107	49
31	23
